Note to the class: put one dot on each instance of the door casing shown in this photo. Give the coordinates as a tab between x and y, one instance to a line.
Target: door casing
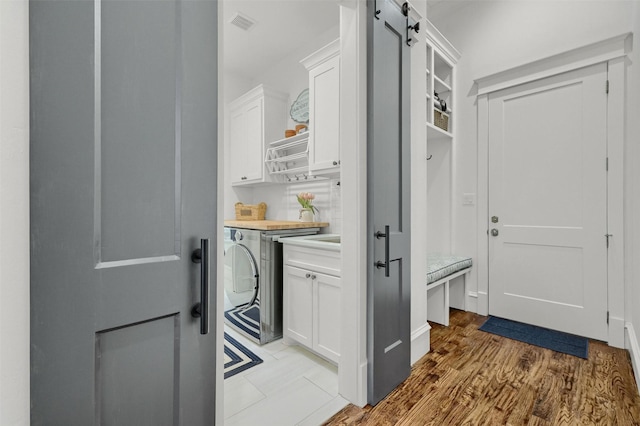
614	52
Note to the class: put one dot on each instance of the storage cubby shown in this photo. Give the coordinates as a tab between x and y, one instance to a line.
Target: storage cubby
441	150
441	60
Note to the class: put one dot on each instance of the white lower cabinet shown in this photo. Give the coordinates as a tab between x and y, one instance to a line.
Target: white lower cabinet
312	306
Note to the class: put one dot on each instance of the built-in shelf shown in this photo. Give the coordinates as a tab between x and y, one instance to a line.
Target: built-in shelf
297	138
434	132
440	86
288	157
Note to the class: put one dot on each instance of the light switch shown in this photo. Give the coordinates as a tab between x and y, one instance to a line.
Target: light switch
468	199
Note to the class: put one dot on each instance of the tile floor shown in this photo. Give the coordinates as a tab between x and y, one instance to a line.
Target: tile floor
291	387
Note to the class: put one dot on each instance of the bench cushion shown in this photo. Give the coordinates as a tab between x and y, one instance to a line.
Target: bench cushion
440	265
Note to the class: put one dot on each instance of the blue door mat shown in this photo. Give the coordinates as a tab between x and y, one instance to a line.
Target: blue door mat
237	357
538	336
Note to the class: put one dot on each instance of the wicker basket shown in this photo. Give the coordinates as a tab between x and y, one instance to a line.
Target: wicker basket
441	120
250	211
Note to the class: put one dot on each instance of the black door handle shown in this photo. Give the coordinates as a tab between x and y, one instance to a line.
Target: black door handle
201	309
386	237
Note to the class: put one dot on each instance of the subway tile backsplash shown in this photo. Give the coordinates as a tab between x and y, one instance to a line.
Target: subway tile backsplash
283	205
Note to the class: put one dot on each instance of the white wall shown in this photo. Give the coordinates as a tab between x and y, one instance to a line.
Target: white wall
14	212
288	76
497	35
632	183
420	329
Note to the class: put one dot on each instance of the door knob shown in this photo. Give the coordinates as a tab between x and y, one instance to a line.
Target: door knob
494	232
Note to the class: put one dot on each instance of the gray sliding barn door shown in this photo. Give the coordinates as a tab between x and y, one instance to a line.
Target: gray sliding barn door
123	189
388	169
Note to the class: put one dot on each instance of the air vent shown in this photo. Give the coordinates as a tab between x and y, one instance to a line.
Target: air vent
242	21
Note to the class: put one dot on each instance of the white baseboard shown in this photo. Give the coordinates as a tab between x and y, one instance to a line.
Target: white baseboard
472	301
420	342
616	332
631	344
483	303
362	397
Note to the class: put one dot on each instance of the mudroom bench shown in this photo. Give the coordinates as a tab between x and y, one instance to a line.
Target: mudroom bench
441	270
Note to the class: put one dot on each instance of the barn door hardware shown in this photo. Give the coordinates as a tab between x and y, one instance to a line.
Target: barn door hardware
415	27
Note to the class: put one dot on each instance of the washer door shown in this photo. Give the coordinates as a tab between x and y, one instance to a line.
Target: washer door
240	276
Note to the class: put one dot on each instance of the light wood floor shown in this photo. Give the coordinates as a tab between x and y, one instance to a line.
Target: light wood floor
475	378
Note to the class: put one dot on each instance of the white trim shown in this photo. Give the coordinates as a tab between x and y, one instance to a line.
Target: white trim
612	50
419	326
352	369
483	206
631	344
615	198
420	342
218	290
591	54
322	55
443	45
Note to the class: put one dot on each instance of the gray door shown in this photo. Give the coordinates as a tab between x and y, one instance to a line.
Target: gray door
123	188
388	165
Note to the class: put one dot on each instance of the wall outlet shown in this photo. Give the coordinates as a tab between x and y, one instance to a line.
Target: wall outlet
468	199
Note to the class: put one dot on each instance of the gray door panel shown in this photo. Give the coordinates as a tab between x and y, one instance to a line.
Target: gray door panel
123	186
388	201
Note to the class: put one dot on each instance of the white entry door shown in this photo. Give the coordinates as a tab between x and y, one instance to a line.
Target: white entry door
547	203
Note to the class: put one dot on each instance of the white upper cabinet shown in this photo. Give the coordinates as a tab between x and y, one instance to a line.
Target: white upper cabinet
255	118
324	109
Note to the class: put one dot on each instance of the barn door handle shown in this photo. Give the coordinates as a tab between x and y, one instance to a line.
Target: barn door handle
384	264
201	309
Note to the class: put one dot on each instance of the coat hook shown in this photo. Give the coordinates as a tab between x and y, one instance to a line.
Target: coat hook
429	157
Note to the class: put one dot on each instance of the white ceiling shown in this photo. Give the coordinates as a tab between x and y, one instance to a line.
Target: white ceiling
282	27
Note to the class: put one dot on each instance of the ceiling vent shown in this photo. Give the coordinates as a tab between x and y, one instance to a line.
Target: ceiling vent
242	21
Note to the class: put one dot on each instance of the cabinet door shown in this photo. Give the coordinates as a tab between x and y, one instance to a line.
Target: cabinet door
298	305
237	145
326	309
253	156
324	113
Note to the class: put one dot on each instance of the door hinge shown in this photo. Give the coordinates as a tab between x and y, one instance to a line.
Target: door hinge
607	87
607	317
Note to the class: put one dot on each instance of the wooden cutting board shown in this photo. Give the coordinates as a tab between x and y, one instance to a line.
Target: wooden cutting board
269	225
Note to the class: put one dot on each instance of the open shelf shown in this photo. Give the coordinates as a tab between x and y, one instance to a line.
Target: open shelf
293	139
440	85
289	156
434	132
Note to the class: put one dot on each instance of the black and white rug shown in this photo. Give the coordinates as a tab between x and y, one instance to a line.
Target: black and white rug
237	357
245	319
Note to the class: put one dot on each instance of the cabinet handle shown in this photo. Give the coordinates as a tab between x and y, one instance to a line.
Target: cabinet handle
335	163
313	277
307	275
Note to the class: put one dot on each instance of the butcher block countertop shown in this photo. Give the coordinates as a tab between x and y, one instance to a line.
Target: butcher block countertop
269	225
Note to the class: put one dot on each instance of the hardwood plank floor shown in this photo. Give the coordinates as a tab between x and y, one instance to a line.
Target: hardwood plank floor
475	378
